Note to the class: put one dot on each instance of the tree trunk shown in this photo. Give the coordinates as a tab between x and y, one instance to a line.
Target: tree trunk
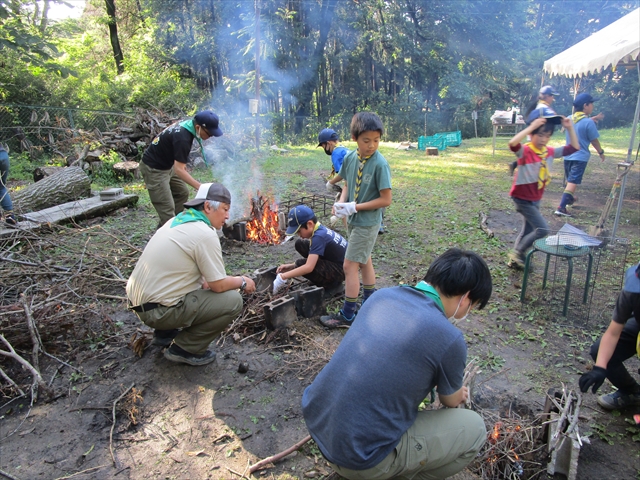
66	185
113	36
305	93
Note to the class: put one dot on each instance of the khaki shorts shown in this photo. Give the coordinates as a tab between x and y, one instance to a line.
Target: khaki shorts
361	243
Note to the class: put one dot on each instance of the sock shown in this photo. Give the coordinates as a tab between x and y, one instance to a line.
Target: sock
566	198
367	291
349	307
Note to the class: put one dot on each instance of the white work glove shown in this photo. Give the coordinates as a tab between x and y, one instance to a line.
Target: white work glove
278	284
344	209
330	187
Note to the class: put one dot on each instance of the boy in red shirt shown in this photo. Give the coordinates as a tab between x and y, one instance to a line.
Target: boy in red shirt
533	175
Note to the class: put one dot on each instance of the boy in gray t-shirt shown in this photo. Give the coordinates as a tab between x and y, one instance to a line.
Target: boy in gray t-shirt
364	404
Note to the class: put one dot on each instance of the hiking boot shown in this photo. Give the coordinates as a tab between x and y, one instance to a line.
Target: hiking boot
10	219
177	354
163	338
512	167
336	320
562	212
616	400
516	261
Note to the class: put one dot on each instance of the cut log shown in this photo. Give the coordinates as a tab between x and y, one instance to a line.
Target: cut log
81	209
127	169
432	151
42	172
68	184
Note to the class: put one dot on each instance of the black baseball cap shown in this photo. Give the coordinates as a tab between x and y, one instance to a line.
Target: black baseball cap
209	121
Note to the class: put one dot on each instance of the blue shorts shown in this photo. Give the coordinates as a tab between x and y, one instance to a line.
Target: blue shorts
573	171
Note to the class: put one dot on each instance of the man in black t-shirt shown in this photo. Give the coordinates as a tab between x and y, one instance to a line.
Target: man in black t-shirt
620	342
322	252
164	163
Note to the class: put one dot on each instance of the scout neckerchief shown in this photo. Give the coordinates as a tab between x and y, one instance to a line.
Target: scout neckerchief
190	215
578	116
543	177
362	161
189	125
314	231
430	292
542	101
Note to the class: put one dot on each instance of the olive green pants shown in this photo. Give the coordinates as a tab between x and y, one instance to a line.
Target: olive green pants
201	314
167	192
438	445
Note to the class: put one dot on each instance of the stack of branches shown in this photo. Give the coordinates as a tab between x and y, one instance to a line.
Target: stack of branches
264	226
53	283
512	447
564	412
61	138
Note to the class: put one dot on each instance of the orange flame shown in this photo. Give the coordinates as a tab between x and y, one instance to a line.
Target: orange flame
265	229
495	434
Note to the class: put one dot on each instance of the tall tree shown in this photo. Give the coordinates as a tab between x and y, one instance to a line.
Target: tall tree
113	36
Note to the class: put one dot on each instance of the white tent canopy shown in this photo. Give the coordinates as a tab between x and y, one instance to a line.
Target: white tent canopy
614	44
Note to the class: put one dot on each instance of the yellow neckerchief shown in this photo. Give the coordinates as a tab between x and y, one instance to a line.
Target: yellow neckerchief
543	177
362	161
576	117
314	231
542	101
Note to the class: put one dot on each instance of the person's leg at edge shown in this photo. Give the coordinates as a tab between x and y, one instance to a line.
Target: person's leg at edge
617	373
157	183
438	445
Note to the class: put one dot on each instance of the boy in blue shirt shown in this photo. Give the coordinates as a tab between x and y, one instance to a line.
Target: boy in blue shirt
321	248
366	192
328	139
576	163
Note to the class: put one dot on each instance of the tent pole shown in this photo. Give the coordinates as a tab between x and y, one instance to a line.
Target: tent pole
629	153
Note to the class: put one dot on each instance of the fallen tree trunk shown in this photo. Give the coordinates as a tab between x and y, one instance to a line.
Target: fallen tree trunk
64	186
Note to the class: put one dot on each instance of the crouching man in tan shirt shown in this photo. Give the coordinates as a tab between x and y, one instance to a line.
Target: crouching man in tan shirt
180	287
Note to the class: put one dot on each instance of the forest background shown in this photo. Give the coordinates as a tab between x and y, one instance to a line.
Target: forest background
424	66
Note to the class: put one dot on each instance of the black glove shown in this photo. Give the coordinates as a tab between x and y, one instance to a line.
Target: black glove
595	377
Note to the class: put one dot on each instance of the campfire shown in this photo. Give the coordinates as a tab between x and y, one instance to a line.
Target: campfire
263	225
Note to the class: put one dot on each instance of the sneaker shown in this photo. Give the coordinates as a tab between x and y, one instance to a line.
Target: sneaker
512	168
177	354
616	400
381	230
163	338
336	320
10	219
562	212
516	261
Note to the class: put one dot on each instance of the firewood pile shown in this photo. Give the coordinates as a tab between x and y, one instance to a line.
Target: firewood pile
51	304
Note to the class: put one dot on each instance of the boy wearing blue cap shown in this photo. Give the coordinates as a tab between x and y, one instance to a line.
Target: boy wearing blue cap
575	164
533	175
328	139
164	163
321	248
620	342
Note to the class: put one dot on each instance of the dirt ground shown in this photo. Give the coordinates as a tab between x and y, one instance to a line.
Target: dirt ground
182	422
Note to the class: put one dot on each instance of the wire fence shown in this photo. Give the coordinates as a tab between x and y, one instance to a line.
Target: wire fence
37	127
